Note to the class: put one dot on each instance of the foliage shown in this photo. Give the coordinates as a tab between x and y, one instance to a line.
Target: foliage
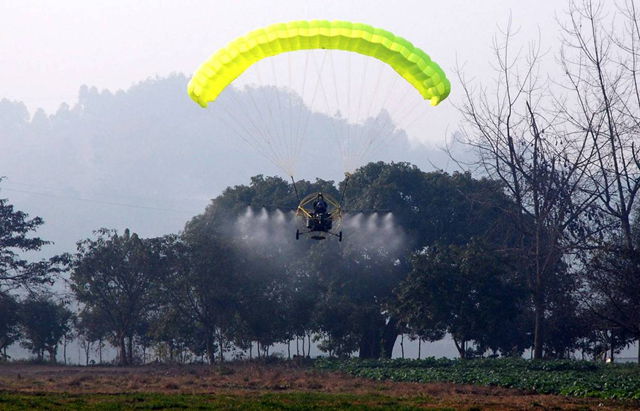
114	277
468	291
429	207
44	323
9	322
432	207
209	289
91	327
16	271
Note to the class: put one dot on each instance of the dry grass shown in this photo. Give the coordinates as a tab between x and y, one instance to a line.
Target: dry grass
256	379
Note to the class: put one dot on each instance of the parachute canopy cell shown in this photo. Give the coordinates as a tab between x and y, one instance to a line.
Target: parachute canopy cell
413	64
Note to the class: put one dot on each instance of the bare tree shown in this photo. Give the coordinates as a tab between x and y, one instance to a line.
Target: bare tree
600	57
521	141
601	68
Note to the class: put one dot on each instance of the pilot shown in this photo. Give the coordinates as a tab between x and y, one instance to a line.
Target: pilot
320	206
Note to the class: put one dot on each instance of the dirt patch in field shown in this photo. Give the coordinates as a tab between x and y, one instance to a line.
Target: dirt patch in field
256	379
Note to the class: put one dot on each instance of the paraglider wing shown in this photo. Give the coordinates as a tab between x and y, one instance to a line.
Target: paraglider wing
413	64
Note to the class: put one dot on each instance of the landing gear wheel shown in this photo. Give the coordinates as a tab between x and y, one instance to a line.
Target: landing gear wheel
297	234
340	236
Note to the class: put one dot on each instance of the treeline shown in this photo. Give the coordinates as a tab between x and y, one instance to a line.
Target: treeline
38	321
210	290
456	267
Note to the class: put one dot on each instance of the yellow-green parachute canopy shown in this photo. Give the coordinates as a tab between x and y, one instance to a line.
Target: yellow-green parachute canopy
413	64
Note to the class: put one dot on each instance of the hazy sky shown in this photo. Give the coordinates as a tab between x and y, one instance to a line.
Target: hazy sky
49	48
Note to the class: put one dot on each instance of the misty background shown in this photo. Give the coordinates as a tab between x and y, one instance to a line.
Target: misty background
96	129
149	159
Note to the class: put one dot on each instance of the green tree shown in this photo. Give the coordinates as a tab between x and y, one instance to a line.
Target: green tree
202	283
236	292
115	275
342	292
431	208
91	327
9	323
466	291
15	230
435	206
612	290
172	334
44	323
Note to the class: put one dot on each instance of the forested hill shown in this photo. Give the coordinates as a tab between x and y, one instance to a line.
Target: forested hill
146	158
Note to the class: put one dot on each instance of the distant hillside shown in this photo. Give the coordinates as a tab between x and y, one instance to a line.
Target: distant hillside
146	158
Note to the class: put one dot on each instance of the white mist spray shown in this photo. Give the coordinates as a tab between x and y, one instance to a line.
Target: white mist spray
374	232
259	229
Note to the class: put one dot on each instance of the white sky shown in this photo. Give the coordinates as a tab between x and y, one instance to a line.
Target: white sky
48	49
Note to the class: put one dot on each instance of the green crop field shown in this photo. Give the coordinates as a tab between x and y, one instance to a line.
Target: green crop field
564	377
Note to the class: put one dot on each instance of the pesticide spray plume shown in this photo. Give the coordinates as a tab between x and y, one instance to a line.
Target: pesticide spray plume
264	228
260	228
374	231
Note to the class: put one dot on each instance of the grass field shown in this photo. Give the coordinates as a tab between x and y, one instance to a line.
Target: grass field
141	401
282	386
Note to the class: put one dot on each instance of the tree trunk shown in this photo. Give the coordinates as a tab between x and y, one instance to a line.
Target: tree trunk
289	349
211	356
389	336
612	347
371	339
419	347
130	349
538	334
368	344
221	342
123	350
52	354
86	352
461	347
402	345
